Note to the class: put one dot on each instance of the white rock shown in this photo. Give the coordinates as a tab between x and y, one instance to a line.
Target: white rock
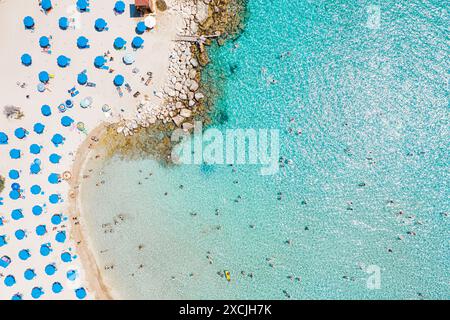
178	86
193	86
178	120
187	126
199	96
192	74
186	113
194	63
152	119
169	91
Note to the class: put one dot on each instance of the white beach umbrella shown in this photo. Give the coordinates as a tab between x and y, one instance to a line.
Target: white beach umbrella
150	22
128	58
106	108
86	102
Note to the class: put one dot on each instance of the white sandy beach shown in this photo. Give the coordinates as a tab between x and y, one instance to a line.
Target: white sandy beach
153	57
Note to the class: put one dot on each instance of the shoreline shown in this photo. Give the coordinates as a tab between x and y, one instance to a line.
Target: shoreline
119	138
93	274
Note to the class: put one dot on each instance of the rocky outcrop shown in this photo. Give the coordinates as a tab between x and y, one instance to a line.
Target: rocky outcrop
204	21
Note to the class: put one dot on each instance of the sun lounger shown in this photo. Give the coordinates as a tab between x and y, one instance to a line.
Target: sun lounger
5	261
73	92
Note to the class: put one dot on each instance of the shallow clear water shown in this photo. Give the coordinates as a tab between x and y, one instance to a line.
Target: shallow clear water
371	101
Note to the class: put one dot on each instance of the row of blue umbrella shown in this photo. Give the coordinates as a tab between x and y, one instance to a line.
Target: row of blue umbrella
62	61
35	168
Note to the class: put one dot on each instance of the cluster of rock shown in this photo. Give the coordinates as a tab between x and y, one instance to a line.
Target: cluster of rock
147	115
181	93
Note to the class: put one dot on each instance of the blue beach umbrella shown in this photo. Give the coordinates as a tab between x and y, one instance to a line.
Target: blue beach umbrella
82	5
137	42
9	281
14	174
50	269
63	61
37	210
54	158
16	297
57	139
44	77
16	214
14	194
3	138
44	42
100	24
140	27
46	4
20	234
15	186
82	78
45	250
119	43
20	133
41	230
119	7
66	257
119	80
99	61
28	22
53	178
63	23
35	149
36	292
39	127
60	237
29	274
80	293
26	59
35	189
71	275
82	42
24	254
46	110
57	287
14	154
66	121
35	168
56	219
54	198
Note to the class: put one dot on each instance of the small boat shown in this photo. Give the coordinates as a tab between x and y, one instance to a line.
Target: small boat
227	275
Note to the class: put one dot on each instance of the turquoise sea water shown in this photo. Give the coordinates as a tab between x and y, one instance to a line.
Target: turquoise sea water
370	97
